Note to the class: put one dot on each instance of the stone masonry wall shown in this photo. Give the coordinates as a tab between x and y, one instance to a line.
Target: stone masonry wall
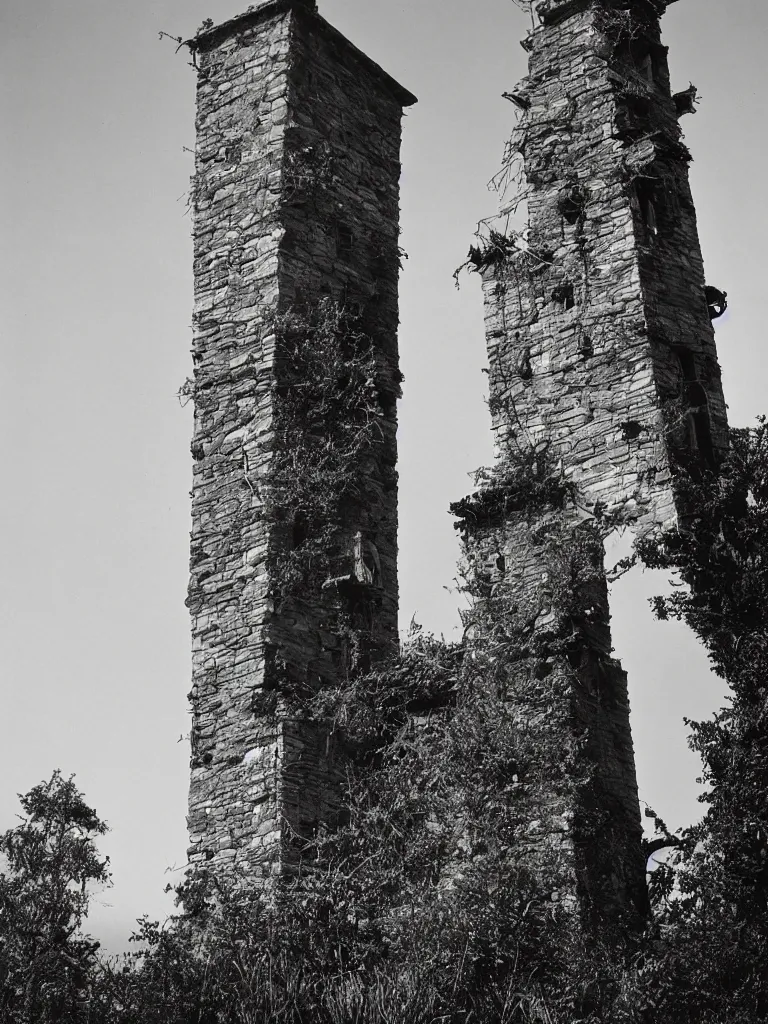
596	333
540	574
603	373
283	211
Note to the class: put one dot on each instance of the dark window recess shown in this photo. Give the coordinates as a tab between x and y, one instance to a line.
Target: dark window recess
354	308
572	202
524	368
633	116
501	564
640	106
645	58
631	430
344	241
300	532
645	65
648	201
696	409
381	268
563	295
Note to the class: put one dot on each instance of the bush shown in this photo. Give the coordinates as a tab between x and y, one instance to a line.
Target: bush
47	966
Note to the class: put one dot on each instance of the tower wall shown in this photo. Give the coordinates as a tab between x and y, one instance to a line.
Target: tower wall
597	333
540	595
604	376
296	255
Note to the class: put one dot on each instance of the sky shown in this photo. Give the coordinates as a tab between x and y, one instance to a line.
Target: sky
97	116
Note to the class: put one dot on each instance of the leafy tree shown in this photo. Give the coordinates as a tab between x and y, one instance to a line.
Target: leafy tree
47	965
714	914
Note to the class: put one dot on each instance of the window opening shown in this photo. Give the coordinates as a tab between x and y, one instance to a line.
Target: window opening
344	242
646	197
645	67
633	115
698	428
572	203
564	296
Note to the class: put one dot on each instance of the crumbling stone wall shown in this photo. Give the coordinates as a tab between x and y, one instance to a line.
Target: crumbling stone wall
604	376
537	579
598	328
295	228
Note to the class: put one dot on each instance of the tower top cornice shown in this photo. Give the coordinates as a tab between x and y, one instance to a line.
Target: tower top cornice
210	36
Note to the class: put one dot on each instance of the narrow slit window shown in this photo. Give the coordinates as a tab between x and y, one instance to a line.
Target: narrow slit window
645	66
344	242
696	409
649	206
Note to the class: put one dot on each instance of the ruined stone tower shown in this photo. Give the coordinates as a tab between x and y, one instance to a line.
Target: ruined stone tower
294	543
603	381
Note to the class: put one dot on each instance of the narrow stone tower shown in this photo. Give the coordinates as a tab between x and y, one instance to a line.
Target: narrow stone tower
294	504
604	378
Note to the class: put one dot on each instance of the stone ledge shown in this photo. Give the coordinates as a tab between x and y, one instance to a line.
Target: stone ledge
208	38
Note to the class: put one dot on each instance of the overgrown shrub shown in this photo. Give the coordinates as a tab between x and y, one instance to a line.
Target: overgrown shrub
328	414
715	922
48	967
431	902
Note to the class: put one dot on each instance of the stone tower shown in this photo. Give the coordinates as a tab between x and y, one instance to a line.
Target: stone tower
604	377
294	502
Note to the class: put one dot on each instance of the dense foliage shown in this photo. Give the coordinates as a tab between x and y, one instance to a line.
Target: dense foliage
328	422
715	964
430	903
47	966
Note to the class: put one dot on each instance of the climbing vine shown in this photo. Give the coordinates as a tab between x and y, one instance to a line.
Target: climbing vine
327	422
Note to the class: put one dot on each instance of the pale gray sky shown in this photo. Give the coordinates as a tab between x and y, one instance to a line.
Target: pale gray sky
96	290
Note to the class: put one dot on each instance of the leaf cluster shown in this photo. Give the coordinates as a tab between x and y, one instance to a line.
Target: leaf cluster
523	481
